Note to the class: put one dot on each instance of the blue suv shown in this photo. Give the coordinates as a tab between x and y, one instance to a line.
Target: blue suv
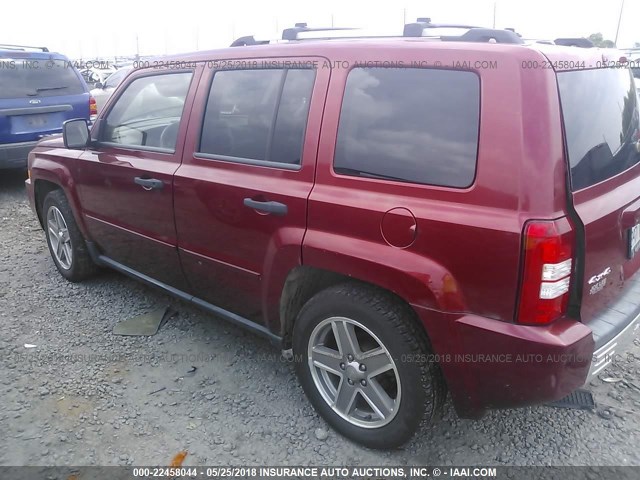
39	90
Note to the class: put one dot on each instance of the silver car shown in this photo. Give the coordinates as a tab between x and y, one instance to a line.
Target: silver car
102	91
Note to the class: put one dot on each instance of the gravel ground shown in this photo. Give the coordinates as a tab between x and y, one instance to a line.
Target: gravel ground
84	396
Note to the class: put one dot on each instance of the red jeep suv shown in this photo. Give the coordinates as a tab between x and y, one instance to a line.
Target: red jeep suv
409	216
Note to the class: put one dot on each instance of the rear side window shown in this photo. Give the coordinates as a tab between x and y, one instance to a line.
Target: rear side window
410	125
258	114
21	78
601	123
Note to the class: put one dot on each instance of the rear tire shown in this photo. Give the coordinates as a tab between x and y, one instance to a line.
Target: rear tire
66	243
362	360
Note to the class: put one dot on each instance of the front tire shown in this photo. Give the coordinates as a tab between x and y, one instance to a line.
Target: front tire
66	244
362	363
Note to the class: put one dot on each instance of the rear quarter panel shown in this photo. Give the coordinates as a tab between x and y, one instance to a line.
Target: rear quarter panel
466	255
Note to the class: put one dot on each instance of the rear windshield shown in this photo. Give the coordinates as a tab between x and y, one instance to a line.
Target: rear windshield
601	123
42	78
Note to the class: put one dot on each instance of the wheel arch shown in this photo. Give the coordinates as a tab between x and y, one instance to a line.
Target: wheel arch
48	175
304	282
41	189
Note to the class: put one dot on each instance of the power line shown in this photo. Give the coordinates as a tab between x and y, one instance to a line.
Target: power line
619	21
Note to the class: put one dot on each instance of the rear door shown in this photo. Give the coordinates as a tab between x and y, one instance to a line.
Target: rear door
601	122
37	96
241	192
125	180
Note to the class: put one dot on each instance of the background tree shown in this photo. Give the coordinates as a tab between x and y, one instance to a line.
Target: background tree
599	41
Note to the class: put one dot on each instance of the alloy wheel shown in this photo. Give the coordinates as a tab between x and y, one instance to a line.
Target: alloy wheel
354	372
59	238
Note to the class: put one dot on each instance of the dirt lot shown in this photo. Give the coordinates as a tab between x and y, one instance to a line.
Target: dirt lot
84	396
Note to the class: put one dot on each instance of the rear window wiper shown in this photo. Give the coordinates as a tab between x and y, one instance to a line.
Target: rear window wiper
46	89
360	173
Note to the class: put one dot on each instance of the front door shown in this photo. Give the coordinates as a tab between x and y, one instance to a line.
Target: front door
126	178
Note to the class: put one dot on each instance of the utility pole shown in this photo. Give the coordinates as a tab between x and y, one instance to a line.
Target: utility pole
495	8
619	21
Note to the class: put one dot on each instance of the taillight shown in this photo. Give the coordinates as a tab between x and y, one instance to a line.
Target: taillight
546	277
93	109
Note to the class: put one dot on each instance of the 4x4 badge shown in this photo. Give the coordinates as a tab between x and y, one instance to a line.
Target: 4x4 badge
600	276
35	101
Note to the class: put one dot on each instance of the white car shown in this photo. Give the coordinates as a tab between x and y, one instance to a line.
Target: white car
103	90
96	75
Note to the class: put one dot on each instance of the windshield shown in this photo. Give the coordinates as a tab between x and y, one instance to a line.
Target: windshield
39	78
114	80
601	122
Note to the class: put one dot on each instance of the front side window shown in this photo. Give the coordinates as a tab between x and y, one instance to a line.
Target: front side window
148	112
410	125
258	114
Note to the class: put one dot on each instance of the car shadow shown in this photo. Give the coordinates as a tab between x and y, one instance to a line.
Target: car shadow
12	181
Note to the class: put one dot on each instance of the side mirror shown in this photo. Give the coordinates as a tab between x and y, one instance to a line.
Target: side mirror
75	133
99	85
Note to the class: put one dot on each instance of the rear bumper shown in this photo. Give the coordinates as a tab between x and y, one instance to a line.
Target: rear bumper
615	348
491	364
14	155
616	327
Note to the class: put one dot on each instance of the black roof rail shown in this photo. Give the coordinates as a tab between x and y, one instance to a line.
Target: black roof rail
474	33
292	33
416	29
511	29
248	40
575	42
21	47
486	35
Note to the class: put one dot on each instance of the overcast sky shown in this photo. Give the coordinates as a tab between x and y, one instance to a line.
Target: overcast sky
103	28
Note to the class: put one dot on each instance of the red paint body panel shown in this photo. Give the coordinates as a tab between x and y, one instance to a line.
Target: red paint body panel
601	209
462	234
143	237
234	256
456	254
493	364
129	224
56	165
